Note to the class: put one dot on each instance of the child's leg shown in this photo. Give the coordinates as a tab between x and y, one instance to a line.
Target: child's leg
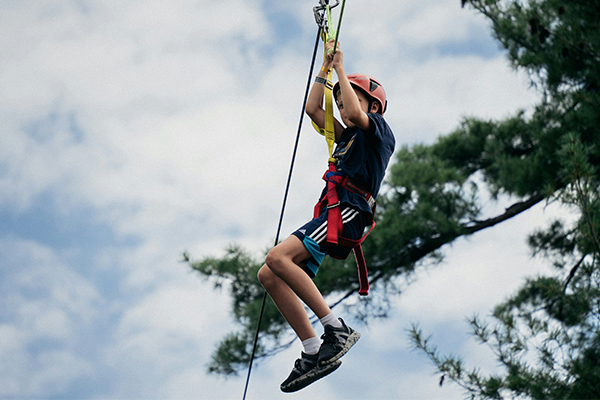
285	281
287	302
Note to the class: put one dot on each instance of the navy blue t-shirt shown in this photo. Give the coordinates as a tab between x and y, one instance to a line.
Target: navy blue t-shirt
364	157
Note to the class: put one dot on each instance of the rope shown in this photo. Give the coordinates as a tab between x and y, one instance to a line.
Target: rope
287	188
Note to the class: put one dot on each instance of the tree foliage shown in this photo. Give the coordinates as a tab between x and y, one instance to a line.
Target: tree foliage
546	336
433	196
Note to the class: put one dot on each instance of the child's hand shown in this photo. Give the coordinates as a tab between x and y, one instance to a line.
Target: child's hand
327	63
337	58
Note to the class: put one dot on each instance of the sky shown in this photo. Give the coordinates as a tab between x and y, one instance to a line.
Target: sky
133	131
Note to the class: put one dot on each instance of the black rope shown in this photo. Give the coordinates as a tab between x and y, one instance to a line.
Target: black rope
287	189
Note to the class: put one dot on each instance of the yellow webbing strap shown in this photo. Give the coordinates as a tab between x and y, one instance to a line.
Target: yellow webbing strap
329	127
329	130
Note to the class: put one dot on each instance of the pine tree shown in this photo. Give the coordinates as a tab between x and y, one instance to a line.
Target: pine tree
546	337
554	320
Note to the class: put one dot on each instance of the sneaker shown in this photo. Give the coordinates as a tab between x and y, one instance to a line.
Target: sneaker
306	371
336	342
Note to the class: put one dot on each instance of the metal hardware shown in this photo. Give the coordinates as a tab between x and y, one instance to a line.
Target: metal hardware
320	12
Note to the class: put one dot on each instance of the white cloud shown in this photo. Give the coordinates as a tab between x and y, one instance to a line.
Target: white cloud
167	335
47	302
56	371
478	272
57	292
429	100
423	386
196	310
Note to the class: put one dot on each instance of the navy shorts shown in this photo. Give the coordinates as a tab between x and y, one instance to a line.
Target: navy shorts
314	237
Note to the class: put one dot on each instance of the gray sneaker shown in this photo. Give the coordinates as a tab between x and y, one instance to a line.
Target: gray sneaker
336	343
306	371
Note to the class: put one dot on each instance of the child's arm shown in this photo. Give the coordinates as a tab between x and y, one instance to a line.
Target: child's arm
314	103
349	100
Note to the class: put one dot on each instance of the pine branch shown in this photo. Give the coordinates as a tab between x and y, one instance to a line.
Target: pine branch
572	273
510	212
417	253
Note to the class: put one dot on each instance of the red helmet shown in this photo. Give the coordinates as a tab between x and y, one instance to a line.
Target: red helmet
368	85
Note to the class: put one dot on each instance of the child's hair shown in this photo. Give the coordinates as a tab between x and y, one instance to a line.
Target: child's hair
370	87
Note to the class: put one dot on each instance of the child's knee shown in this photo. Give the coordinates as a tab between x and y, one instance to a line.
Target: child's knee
274	259
266	277
285	255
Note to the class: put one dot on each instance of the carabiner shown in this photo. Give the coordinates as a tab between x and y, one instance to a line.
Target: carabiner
320	14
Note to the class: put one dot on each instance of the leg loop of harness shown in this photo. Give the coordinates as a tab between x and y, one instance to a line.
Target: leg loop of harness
363	276
335	225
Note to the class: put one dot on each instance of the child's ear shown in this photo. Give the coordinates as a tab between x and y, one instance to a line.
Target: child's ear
374	107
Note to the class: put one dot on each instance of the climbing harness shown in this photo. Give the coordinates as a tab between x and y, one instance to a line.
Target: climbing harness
335	227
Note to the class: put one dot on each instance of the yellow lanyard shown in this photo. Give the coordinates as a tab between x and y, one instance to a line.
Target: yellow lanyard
329	130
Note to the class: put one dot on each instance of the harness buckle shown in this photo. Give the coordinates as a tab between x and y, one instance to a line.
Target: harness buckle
371	201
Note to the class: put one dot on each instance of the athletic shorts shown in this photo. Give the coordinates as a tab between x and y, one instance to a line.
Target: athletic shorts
314	236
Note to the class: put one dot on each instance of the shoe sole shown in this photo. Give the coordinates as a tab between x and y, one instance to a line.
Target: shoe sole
311	376
351	341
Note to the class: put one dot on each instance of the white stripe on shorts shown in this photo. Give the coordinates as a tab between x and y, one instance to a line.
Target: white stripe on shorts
320	234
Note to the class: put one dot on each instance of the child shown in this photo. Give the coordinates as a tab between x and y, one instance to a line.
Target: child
363	151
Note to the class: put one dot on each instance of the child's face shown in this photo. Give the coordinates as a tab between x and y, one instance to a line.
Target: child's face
362	100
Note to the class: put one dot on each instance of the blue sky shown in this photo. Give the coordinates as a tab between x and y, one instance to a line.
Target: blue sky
133	131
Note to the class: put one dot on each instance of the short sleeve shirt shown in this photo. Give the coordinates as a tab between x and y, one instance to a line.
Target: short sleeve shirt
364	157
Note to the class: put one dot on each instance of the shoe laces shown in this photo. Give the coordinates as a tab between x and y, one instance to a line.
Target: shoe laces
302	365
329	337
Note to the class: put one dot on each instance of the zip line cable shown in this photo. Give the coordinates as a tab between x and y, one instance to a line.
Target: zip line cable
322	27
287	189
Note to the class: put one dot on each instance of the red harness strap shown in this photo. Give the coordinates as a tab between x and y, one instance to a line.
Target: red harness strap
334	221
335	227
